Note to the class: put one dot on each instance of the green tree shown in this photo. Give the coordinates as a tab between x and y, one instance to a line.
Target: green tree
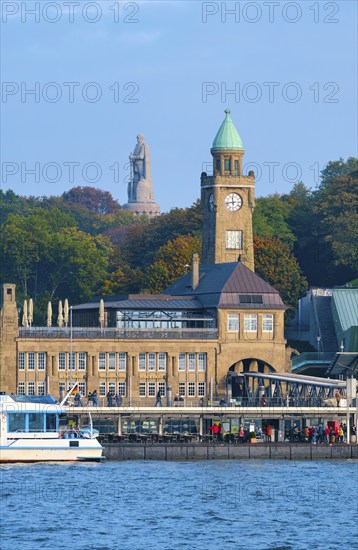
275	263
270	219
336	206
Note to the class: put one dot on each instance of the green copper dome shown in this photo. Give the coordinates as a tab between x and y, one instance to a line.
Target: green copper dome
227	137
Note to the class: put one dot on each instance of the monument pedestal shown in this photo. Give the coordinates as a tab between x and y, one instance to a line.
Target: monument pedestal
151	209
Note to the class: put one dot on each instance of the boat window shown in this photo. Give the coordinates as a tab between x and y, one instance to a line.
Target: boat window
36	422
17	422
51	423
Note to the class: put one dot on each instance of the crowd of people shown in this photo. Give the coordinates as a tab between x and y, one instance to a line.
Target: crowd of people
333	433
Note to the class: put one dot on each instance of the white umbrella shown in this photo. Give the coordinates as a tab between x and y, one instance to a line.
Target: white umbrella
60	316
25	322
65	312
49	314
101	313
31	311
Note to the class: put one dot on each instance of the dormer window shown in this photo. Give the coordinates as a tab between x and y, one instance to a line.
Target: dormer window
250	299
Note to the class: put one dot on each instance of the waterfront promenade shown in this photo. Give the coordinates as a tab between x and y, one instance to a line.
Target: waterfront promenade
182	451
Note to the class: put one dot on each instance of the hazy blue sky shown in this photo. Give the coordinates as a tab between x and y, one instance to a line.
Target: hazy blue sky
150	62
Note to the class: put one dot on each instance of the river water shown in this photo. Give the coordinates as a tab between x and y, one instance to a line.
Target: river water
260	505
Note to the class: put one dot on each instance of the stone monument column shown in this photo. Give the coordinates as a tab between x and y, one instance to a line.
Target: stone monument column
140	188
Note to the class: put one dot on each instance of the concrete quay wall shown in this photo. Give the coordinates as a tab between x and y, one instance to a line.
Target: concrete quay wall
124	451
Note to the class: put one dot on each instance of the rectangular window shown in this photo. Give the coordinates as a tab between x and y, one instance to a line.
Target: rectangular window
234	240
82	360
236	167
267	322
31	388
82	388
202	361
61	361
182	361
41	360
112	388
21	388
41	388
162	361
191	361
122	389
161	388
62	387
227	165
142	392
22	360
141	361
151	389
233	323
191	389
102	361
31	361
16	422
151	361
122	361
250	323
201	389
182	389
102	389
72	361
112	361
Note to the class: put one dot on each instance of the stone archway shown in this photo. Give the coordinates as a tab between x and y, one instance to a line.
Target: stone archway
235	386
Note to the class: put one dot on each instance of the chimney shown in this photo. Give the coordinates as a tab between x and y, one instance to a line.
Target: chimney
195	272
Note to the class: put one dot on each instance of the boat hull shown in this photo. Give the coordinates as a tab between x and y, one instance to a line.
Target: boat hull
60	450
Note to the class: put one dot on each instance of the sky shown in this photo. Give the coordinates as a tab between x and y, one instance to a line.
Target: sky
103	72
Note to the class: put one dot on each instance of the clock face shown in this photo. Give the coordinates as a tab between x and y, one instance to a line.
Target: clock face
233	202
211	202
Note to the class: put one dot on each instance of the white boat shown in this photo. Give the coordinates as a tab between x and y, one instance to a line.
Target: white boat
30	432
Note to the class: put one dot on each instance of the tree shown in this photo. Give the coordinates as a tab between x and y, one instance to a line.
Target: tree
275	263
270	219
337	168
171	262
93	199
44	254
147	236
336	205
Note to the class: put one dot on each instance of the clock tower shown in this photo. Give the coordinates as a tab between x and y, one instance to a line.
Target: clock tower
227	201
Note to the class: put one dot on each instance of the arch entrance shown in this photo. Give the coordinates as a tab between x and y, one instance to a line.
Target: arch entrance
235	383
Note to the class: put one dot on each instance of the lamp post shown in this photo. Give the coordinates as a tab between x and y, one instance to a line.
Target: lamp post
318	346
71	346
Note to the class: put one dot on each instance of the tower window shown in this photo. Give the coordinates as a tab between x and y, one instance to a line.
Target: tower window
227	165
236	167
234	240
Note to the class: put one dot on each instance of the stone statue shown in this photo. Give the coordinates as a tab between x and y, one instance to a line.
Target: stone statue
140	185
140	188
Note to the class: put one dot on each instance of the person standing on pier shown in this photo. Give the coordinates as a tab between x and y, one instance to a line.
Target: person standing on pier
158	401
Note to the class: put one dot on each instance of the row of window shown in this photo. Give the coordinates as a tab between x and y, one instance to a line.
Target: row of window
32	360
113	361
146	389
186	389
250	322
31	388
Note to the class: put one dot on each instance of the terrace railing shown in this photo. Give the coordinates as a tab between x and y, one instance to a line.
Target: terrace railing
118	334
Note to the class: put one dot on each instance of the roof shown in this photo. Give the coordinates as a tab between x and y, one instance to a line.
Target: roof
346	305
220	285
227	137
146	302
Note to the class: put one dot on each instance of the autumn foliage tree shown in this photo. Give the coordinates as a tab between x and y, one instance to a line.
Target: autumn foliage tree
171	262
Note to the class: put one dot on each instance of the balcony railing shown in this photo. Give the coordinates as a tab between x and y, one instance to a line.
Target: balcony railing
118	334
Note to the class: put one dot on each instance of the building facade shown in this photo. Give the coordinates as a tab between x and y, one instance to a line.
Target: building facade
195	338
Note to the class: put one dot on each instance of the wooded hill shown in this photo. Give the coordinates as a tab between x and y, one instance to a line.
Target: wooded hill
82	243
